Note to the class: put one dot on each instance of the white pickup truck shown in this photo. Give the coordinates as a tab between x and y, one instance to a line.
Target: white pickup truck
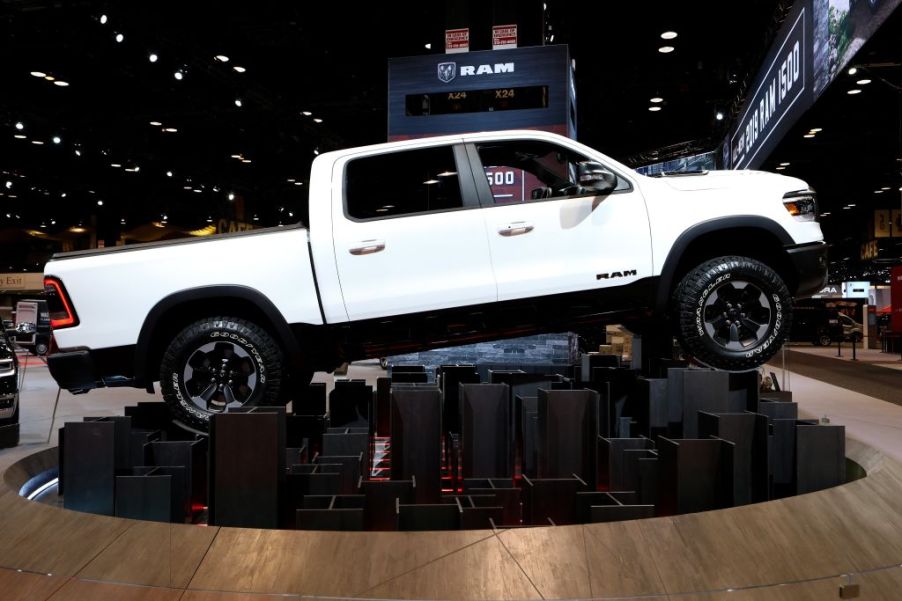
436	242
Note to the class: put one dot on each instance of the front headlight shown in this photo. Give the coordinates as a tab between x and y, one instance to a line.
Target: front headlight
7	367
801	204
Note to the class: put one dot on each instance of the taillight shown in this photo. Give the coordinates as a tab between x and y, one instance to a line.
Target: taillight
62	314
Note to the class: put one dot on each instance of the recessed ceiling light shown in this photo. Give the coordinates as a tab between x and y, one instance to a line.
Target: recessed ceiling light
178	75
854	91
38	74
784	164
57	139
885	188
668	35
427	46
878	191
103	19
239	69
119	38
20	136
851	204
169	174
20	126
156	123
237	156
245	160
815	130
863	82
77	152
298	183
170	130
61	83
49	77
781	168
306	113
654	109
99	203
231	196
808	136
116	165
38	142
238	102
152	57
222	58
666	49
853	70
317	120
656	99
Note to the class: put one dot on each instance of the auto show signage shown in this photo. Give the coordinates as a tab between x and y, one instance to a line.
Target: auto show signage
504	36
486	90
457	40
779	96
816	42
896	298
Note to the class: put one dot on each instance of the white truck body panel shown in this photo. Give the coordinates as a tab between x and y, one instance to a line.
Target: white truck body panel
275	263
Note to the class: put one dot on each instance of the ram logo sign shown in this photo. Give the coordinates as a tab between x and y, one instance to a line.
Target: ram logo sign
616	274
448	71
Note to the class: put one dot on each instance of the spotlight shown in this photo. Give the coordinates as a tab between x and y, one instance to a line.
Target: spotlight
178	75
656	99
863	82
317	120
155	123
238	102
666	49
103	19
119	38
719	116
152	57
170	130
57	139
231	196
239	68
9	185
169	174
38	74
222	58
427	46
77	152
306	113
99	203
654	109
20	126
61	83
668	35
854	91
852	70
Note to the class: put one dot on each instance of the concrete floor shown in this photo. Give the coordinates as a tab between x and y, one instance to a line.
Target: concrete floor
870	420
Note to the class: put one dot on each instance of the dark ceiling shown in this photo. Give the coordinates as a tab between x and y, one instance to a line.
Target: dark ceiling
328	59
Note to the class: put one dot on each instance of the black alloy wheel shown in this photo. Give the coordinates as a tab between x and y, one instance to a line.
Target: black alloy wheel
219	364
733	313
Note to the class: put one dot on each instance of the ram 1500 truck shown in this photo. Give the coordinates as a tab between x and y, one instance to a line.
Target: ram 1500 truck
436	242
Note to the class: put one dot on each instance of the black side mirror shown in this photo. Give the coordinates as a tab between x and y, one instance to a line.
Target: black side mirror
595	177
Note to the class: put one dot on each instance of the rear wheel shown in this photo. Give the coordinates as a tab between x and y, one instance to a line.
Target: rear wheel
733	313
219	364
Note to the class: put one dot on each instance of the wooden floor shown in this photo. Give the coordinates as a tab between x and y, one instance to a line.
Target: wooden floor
808	541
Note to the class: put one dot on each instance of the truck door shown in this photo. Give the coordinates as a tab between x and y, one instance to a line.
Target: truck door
548	235
408	233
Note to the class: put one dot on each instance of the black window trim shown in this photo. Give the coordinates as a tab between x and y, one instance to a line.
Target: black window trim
468	188
485	191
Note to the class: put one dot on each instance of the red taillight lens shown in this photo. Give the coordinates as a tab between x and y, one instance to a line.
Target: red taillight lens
62	315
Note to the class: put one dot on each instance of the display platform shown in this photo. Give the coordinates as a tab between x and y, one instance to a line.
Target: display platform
797	548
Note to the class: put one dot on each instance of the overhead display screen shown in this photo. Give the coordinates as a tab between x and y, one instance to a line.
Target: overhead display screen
477	101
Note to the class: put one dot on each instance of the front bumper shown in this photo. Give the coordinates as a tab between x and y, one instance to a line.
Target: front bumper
810	264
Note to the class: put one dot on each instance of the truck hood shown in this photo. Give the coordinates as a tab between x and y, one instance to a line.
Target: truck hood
717	180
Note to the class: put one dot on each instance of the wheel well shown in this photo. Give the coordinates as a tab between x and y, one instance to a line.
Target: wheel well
173	320
752	242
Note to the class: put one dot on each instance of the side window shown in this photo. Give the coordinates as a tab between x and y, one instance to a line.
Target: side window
402	183
520	171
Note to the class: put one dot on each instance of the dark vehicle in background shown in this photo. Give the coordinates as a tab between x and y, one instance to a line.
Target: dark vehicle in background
32	331
822	326
9	393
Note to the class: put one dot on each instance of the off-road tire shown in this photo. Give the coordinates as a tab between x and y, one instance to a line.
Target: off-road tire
732	313
259	363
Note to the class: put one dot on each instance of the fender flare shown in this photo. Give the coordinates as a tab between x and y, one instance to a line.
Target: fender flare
280	326
665	283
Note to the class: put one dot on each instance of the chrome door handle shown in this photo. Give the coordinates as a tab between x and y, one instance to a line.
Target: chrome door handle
367	247
516	228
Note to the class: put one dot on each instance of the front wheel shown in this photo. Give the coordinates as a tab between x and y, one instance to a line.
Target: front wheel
219	364
733	313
